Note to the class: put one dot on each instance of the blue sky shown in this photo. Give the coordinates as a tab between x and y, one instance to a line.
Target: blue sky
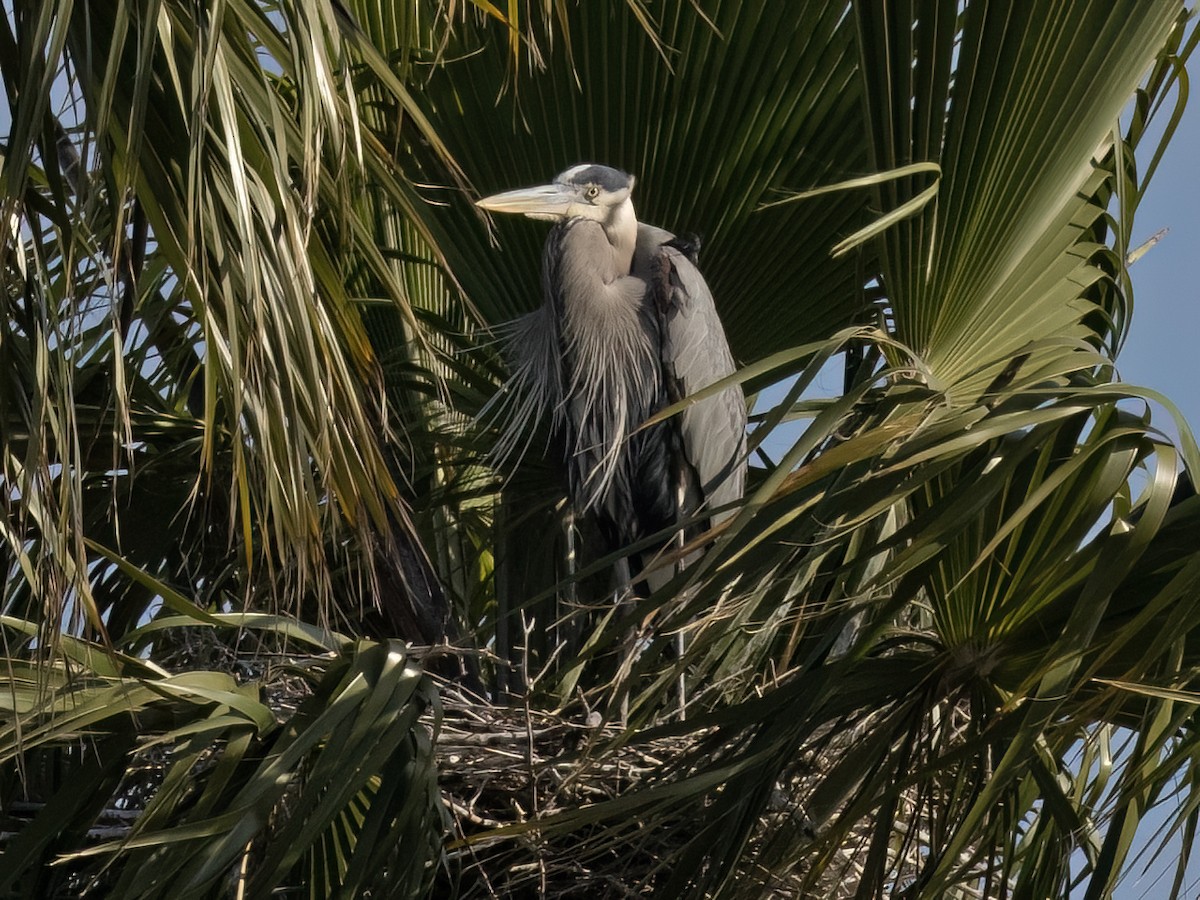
1160	351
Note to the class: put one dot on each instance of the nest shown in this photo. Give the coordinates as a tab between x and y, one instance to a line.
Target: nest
513	770
513	780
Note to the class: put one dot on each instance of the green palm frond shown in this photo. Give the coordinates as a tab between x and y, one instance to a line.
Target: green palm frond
339	796
705	158
947	645
182	260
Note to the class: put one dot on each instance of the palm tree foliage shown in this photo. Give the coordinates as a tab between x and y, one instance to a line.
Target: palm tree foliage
193	425
249	320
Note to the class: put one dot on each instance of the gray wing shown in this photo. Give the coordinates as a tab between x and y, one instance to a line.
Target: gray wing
696	354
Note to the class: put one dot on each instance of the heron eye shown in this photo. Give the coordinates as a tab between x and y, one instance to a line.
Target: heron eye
592	192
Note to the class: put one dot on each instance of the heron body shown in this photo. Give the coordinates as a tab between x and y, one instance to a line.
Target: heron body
628	327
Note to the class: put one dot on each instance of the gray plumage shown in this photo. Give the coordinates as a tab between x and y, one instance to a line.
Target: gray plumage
628	327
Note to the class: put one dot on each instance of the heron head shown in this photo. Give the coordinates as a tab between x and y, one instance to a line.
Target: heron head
585	191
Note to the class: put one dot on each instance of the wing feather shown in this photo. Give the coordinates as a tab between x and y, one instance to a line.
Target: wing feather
696	354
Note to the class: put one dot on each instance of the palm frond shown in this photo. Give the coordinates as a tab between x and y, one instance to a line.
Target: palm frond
315	770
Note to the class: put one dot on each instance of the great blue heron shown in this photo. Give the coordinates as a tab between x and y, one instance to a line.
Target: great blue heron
628	326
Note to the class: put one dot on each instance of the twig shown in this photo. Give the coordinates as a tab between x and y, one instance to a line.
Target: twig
527	627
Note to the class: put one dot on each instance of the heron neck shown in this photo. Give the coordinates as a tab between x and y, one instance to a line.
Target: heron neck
621	229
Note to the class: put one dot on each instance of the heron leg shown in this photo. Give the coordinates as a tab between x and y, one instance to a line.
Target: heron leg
623	601
567	624
680	683
680	649
623	587
680	641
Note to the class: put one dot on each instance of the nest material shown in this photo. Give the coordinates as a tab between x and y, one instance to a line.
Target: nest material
504	774
512	769
515	768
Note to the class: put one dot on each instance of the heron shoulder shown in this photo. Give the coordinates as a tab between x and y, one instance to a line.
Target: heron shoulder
650	239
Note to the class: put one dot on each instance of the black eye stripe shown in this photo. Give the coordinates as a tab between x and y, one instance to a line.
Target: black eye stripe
604	177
